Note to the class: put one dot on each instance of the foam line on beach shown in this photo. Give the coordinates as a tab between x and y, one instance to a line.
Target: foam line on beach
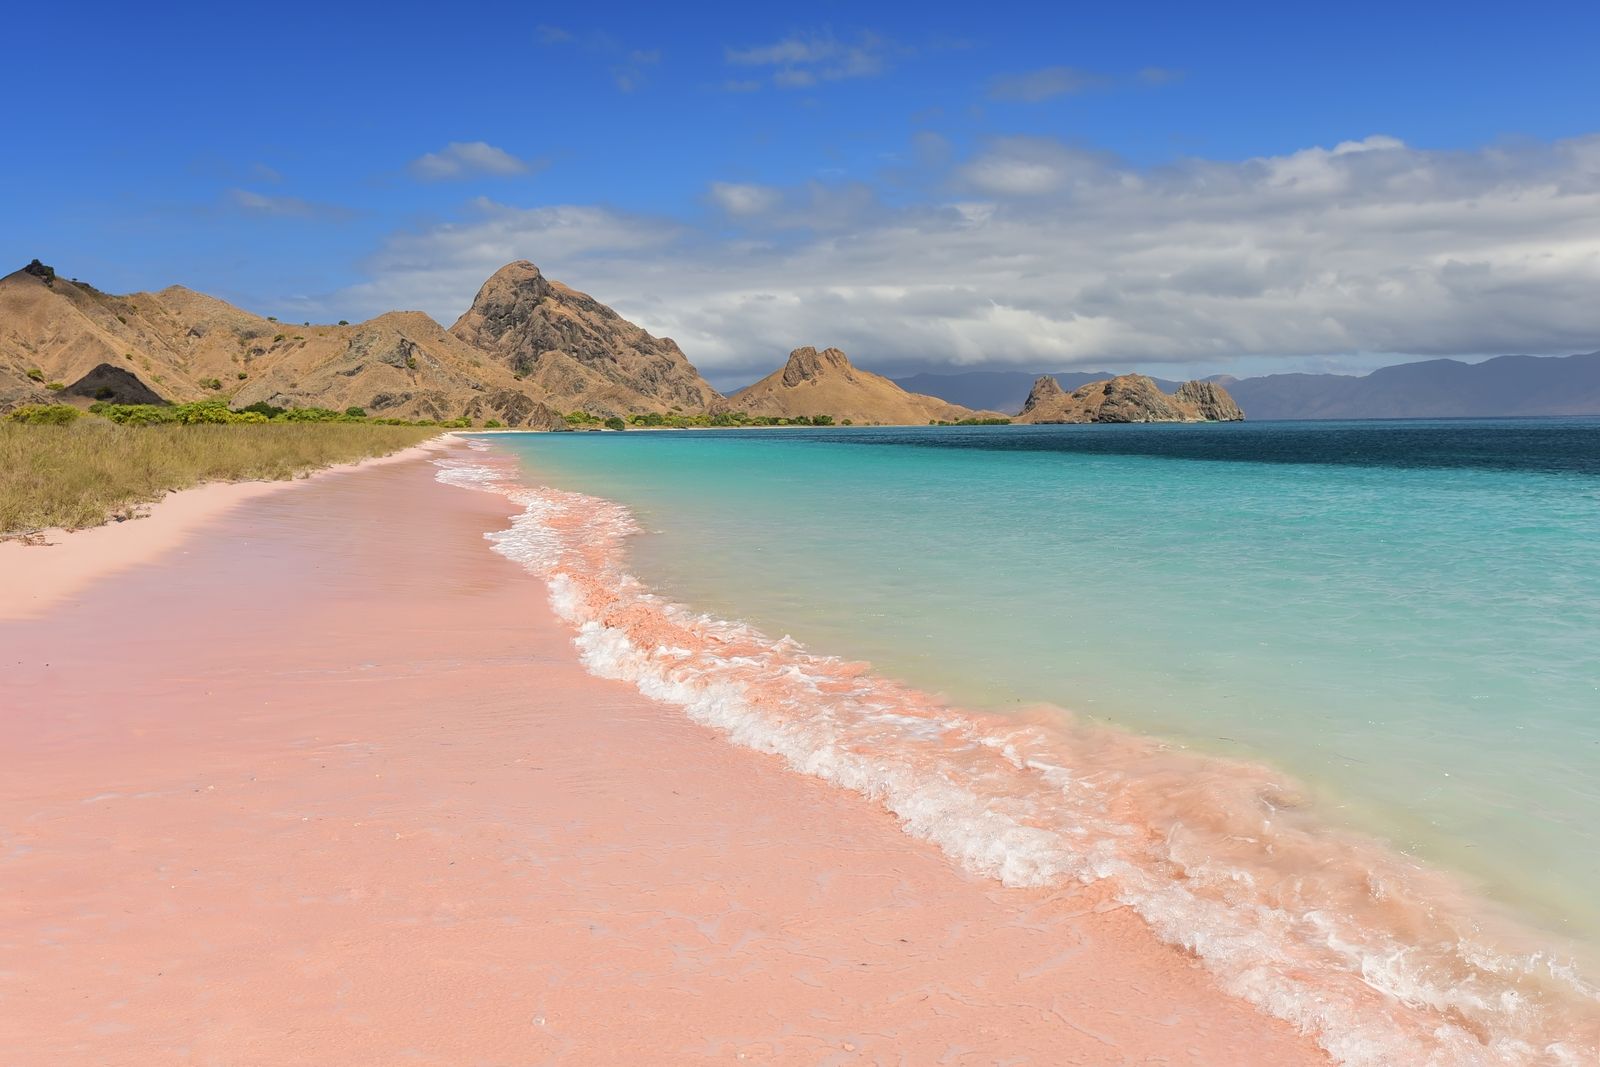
1382	960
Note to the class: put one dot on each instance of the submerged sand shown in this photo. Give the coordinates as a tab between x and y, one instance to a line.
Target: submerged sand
323	782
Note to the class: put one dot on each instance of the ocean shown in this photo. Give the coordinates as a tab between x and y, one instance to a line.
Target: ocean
1321	701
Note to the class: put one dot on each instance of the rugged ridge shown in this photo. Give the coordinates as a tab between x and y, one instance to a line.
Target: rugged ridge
178	345
1127	398
825	382
578	352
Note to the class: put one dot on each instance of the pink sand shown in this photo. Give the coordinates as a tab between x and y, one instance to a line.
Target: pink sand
32	580
323	782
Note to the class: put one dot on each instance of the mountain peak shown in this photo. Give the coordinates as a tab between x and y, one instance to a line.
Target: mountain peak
808	365
578	351
1045	388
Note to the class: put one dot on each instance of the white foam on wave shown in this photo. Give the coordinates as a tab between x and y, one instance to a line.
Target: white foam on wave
1382	961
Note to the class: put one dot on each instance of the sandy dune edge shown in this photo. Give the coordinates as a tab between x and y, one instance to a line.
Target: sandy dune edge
329	786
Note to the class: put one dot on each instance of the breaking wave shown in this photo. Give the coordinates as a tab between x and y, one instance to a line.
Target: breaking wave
1383	961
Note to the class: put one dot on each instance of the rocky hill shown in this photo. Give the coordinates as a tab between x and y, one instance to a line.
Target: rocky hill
1127	398
576	351
63	339
1434	388
816	383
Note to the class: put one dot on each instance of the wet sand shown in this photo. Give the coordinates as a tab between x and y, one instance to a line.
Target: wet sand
322	782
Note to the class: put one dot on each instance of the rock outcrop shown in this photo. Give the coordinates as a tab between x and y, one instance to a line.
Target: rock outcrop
1127	398
1211	400
816	383
575	350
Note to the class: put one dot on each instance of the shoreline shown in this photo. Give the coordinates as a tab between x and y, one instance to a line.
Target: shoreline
359	774
1380	989
33	580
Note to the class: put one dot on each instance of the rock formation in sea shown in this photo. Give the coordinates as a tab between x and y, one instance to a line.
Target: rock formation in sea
813	383
1127	398
577	351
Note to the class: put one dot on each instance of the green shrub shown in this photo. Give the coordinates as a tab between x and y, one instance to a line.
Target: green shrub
310	415
211	383
45	414
134	414
262	408
615	423
344	322
55	386
241	376
491	424
36	374
277	337
356	412
411	362
202	413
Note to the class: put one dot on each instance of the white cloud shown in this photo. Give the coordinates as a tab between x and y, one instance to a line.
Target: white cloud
463	159
1035	166
803	60
1037	85
1046	255
743	200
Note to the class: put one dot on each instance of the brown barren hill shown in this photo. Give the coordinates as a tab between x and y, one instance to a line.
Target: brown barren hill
1128	398
577	351
177	345
816	383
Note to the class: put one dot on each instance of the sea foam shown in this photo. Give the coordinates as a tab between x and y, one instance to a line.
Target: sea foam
1382	961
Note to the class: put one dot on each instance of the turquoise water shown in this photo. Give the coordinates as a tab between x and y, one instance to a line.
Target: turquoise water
1405	617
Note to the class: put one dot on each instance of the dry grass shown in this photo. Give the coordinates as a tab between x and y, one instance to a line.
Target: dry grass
92	471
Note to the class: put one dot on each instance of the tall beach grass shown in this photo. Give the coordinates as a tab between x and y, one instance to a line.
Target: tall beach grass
90	470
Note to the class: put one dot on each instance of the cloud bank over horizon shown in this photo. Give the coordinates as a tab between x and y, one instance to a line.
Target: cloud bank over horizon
1032	252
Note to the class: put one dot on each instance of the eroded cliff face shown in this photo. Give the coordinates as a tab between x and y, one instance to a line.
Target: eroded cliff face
1127	398
825	382
582	354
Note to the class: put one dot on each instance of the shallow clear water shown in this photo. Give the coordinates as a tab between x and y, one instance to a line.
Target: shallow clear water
1403	616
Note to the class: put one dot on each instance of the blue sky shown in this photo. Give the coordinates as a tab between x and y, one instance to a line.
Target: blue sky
1024	185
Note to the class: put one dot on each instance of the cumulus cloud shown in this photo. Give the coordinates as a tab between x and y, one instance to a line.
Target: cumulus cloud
802	60
465	159
1042	254
1037	85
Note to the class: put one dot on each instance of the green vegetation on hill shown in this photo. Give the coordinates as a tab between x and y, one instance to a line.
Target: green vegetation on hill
217	413
73	471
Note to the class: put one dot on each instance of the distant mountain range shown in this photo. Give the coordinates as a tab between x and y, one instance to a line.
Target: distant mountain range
1435	388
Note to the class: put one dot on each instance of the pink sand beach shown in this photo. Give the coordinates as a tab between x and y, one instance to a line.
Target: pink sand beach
316	777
